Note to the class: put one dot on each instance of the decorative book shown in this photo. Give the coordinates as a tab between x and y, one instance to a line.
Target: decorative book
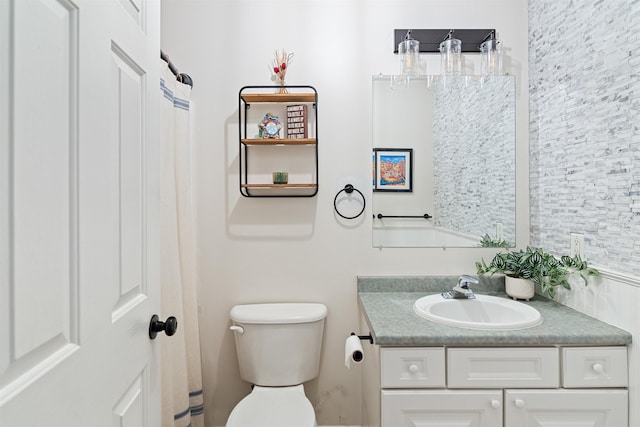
297	121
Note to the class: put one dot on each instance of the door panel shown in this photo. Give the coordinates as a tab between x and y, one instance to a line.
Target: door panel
134	9
128	91
130	410
44	205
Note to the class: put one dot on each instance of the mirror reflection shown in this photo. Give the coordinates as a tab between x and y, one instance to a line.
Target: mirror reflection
443	161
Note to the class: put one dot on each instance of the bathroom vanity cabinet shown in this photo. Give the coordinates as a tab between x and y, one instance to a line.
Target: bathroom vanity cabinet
288	143
496	387
571	369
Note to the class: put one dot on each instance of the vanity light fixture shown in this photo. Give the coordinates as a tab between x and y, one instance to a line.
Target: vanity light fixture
451	43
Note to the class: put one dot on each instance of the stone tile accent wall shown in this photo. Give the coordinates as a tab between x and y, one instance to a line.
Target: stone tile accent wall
474	144
584	68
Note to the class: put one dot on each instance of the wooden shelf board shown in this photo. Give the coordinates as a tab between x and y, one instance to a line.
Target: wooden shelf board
279	141
267	186
278	97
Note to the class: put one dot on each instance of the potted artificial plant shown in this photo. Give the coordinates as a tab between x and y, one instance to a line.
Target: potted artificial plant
538	268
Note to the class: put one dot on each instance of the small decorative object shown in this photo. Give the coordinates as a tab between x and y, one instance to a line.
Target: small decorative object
393	169
539	267
280	177
297	121
281	63
269	126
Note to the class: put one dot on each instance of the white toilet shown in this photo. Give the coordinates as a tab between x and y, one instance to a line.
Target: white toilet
278	348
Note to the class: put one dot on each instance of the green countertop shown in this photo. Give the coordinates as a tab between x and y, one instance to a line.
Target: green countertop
387	304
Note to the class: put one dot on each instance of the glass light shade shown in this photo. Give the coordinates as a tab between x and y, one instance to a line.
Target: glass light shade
450	57
410	62
491	58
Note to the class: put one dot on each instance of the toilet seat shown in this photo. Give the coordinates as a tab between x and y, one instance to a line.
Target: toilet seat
273	406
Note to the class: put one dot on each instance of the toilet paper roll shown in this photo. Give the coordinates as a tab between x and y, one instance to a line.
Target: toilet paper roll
353	351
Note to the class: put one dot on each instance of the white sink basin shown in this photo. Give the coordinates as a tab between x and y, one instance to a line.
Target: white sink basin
485	312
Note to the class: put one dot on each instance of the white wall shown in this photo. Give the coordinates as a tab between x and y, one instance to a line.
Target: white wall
338	46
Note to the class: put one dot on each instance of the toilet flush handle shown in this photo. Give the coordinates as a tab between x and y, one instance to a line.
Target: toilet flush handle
238	329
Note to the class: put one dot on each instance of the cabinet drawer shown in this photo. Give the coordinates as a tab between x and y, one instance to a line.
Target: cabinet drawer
412	367
503	367
594	367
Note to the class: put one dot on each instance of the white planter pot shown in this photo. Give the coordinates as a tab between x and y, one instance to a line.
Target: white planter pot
519	288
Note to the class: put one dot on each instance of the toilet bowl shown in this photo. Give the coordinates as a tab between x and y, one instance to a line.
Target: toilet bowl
278	347
273	406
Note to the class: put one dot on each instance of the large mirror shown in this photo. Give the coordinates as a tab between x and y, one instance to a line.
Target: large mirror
443	161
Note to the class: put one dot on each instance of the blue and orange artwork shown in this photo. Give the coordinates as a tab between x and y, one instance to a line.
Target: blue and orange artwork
392	170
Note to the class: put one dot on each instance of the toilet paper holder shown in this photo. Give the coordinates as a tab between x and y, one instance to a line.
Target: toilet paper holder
364	337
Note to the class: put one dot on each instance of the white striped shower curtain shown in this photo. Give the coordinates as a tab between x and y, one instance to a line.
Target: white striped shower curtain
182	400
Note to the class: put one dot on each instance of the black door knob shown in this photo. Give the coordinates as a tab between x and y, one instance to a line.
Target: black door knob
156	325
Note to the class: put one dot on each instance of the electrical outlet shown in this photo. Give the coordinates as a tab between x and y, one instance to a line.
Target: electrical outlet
577	245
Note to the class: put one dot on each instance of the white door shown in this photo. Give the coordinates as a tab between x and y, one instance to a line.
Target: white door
79	238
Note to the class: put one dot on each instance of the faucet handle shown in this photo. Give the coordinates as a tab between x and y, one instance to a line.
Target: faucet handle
465	280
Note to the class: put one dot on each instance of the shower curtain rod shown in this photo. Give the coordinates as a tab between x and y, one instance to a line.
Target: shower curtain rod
181	77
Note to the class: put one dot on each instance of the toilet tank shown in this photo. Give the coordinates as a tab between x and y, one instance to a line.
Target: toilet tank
278	344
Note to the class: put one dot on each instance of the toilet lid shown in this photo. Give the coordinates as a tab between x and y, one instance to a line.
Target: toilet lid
273	406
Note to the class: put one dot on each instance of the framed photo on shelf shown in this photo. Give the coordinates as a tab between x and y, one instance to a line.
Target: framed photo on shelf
393	169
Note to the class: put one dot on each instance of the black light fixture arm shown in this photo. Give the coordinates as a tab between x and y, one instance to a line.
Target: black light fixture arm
490	36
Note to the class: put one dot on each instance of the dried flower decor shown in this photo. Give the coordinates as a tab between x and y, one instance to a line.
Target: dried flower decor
281	62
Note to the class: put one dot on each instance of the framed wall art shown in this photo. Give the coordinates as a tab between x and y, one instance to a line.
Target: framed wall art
393	169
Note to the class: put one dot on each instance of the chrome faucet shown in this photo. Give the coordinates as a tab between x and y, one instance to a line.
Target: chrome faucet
462	289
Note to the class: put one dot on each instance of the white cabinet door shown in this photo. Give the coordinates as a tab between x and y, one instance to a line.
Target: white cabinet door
575	408
437	408
79	250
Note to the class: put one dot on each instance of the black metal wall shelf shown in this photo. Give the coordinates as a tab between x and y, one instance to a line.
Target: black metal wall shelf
430	39
250	186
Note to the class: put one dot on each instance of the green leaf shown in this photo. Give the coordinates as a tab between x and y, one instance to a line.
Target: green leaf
535	258
498	263
593	272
